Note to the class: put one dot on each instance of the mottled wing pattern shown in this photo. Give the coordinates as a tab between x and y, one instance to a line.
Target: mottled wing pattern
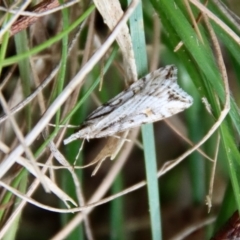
152	98
121	98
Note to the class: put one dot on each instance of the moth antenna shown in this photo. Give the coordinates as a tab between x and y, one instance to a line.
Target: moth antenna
61	126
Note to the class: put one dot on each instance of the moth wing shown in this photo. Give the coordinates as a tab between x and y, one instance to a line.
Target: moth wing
90	127
116	102
154	97
161	98
129	93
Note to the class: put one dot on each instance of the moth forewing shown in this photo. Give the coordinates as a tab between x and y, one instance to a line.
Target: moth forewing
152	98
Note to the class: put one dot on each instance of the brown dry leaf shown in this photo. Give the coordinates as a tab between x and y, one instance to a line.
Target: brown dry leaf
110	149
112	12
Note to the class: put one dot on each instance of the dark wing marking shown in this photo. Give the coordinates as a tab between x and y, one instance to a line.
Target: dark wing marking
152	98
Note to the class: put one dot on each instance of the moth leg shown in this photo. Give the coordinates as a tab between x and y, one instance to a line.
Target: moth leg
121	142
125	139
97	167
80	149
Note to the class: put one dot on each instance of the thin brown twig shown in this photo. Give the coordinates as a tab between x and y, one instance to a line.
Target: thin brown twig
26	21
31	13
194	24
217	20
168	122
223	71
11	21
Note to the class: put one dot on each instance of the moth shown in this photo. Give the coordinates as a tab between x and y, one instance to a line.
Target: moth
152	98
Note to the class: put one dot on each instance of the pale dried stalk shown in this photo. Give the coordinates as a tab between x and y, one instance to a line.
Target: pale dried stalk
79	193
194	227
31	189
14	155
211	183
169	123
21	140
222	68
227	12
111	12
102	188
218	21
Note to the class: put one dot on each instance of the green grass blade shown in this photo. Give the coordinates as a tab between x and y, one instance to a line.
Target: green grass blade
209	83
48	43
139	46
21	43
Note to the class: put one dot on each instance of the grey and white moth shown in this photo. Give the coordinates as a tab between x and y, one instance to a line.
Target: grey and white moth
152	98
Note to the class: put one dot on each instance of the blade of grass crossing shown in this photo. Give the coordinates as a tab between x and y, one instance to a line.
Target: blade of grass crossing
62	72
139	46
4	45
117	211
22	187
21	42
